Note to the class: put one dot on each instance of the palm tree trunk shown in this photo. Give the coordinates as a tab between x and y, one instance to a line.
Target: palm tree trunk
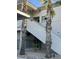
22	51
48	31
23	45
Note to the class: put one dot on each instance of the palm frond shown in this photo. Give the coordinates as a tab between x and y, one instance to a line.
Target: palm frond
43	1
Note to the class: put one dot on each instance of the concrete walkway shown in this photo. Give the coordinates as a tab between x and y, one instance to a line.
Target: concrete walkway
35	55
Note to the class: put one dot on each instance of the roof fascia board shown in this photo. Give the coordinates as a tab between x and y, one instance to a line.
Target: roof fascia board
22	13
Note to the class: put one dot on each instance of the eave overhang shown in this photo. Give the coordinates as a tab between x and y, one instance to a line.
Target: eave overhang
23	14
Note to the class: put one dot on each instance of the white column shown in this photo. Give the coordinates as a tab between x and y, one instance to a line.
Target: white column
40	18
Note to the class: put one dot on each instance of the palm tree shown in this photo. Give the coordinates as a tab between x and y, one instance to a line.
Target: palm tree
23	45
48	28
24	9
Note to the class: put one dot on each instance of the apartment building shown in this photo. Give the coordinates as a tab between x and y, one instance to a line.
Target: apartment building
35	33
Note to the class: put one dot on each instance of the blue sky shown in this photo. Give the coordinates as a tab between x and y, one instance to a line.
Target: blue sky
37	3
